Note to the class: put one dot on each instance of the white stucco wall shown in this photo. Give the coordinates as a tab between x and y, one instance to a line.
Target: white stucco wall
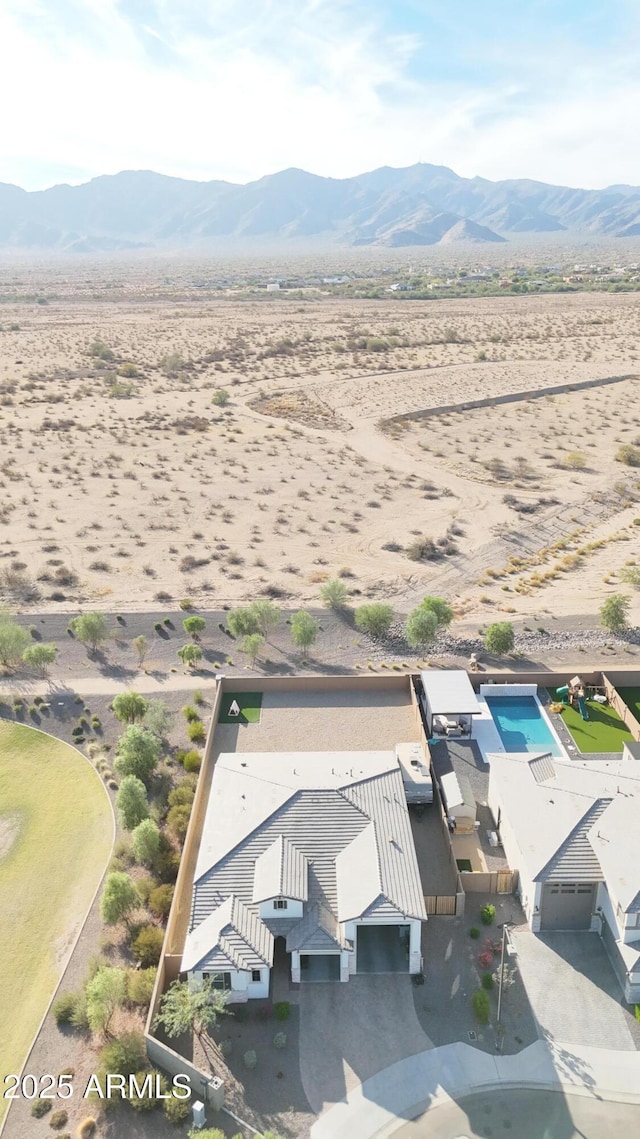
242	984
268	911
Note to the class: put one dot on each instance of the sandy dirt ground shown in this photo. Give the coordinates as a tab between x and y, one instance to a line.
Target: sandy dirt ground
122	483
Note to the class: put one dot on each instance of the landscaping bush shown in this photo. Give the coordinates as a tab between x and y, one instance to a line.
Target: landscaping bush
375	619
487	981
629	455
190	713
250	1058
192	761
485	959
58	1119
160	900
280	1040
147	946
481	1005
636	1009
87	1128
487	914
40	1107
176	1110
499	638
140	984
282	1010
196	732
124	1055
474	932
178	820
63	1008
182	795
614	611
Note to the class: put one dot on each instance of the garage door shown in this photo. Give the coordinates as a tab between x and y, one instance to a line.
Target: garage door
567	905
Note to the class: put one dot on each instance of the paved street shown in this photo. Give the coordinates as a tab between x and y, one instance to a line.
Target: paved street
572	988
526	1115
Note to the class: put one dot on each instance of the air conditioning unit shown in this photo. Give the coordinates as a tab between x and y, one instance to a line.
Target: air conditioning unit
199	1116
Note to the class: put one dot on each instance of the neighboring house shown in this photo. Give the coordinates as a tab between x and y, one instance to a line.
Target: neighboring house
315	849
572	831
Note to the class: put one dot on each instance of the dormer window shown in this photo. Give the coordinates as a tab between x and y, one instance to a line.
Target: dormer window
280	903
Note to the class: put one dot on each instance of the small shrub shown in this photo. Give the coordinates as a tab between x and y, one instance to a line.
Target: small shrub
282	1010
160	900
190	714
226	1048
629	455
485	959
176	1110
487	981
636	1009
87	1128
40	1108
250	1058
480	1001
220	397
474	932
280	1040
192	761
487	914
63	1008
196	732
147	946
58	1119
140	984
198	698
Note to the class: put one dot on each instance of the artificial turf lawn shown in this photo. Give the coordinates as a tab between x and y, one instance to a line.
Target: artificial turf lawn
250	708
603	731
48	876
631	697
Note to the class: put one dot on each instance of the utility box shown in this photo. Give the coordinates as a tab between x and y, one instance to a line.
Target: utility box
199	1117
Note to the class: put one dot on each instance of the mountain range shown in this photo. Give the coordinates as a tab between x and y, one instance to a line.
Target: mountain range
416	205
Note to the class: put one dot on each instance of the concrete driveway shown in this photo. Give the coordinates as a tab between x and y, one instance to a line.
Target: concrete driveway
572	988
350	1032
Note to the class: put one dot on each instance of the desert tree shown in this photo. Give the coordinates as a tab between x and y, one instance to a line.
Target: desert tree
421	627
267	616
242	622
137	752
131	802
129	707
140	648
194	626
40	656
119	898
157	718
252	645
105	994
304	630
499	638
374	619
91	629
614	613
190	1006
145	841
14	640
190	654
440	608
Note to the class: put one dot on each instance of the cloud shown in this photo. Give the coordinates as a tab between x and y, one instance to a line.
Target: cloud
239	88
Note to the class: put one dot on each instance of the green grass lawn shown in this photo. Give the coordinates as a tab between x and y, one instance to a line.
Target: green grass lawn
62	820
631	697
250	708
603	731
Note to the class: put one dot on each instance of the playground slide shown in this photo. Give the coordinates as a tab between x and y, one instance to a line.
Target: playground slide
582	705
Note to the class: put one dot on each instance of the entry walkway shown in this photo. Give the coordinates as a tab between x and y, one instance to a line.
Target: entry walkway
378	1107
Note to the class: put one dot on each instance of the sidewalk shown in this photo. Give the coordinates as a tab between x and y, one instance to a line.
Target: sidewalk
108	686
404	1090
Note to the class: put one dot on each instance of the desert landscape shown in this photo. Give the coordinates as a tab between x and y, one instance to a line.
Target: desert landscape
165	443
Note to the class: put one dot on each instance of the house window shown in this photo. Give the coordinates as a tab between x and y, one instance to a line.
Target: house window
255	974
220	981
280	903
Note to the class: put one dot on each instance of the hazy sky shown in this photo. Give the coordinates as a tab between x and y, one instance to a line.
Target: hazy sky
235	89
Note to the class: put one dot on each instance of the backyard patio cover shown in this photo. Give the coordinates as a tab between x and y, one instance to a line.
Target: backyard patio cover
450	693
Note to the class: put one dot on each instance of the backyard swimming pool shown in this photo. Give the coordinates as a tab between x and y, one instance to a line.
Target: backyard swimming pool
522	726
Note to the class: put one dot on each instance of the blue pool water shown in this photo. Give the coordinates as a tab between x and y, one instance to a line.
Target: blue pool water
520	724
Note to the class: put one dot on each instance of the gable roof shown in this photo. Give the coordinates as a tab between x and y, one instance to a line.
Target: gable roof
575	860
231	934
581	825
323	802
280	872
317	931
